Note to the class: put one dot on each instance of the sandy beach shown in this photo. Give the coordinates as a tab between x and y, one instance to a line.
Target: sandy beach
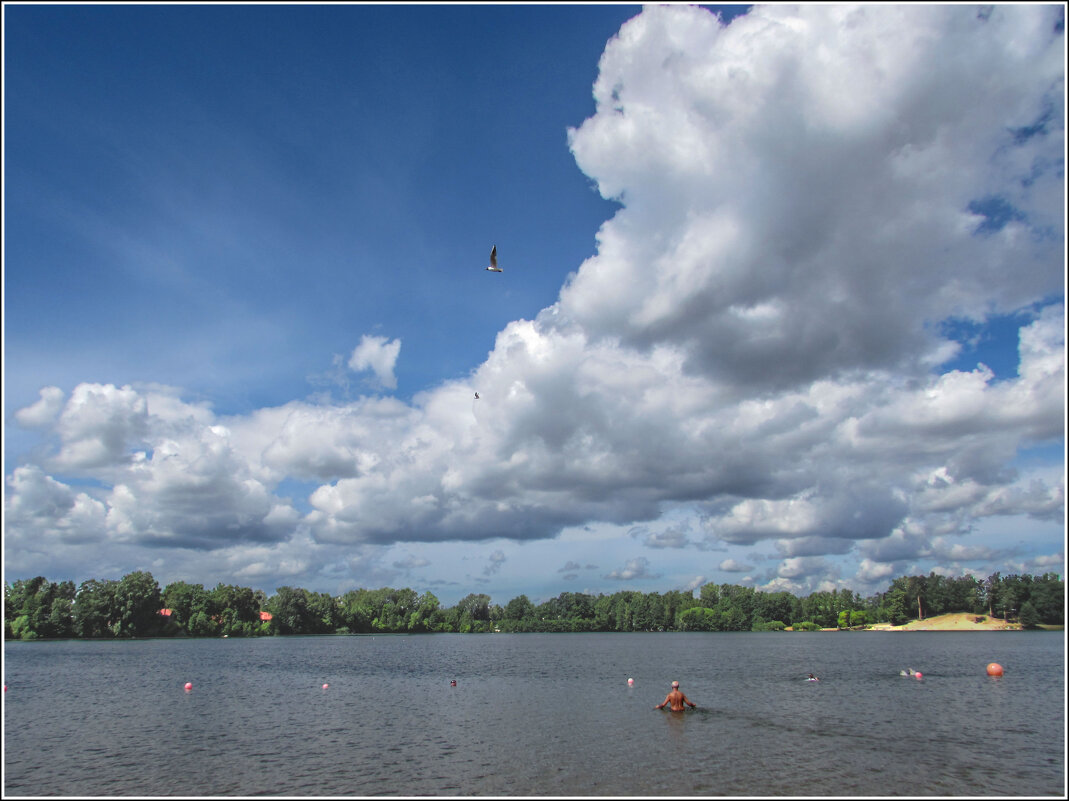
958	621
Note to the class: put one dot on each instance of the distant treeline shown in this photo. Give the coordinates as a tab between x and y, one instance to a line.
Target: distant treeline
135	606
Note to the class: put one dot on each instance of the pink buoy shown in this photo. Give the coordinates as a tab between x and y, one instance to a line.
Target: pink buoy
918	674
994	669
189	686
630	682
325	686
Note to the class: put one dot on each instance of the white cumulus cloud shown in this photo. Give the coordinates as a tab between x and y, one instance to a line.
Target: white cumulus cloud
637	568
379	355
810	196
44	412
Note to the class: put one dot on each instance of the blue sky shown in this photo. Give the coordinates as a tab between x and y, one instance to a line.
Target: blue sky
752	265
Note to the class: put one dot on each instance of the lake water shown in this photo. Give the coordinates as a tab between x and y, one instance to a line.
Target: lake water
538	714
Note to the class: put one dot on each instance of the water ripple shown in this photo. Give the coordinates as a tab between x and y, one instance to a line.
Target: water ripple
535	715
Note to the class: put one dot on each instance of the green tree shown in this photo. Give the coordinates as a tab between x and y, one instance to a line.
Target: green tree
769	625
1048	598
773	606
676	602
648	612
699	618
185	600
201	624
709	595
936	594
916	587
475	605
136	605
623	610
11	611
320	613
1029	616
21	629
289	606
1014	590
21	607
961	595
895	604
576	606
604	618
991	588
60	606
356	610
236	610
519	608
94	608
128	608
420	619
737	605
36	607
445	620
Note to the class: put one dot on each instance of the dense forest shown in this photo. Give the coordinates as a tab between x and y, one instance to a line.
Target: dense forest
135	606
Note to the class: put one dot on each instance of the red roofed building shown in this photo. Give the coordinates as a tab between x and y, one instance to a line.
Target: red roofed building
266	616
165	612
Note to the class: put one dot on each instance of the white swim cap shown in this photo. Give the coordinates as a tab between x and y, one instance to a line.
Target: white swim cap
675	683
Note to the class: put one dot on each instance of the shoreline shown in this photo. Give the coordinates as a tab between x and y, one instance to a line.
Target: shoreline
956	621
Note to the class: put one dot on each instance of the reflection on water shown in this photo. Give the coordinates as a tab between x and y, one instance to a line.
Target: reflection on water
538	714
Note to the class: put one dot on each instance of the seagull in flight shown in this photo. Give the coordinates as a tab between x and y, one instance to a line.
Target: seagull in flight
493	261
476	396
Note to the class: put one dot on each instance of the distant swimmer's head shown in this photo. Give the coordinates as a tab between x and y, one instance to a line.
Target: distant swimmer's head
675	683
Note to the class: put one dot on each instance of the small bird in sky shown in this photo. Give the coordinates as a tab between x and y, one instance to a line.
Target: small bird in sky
493	261
476	396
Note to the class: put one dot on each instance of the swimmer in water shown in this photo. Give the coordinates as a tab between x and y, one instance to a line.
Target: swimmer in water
812	678
675	700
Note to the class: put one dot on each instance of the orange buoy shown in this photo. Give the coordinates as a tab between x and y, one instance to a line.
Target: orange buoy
994	669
